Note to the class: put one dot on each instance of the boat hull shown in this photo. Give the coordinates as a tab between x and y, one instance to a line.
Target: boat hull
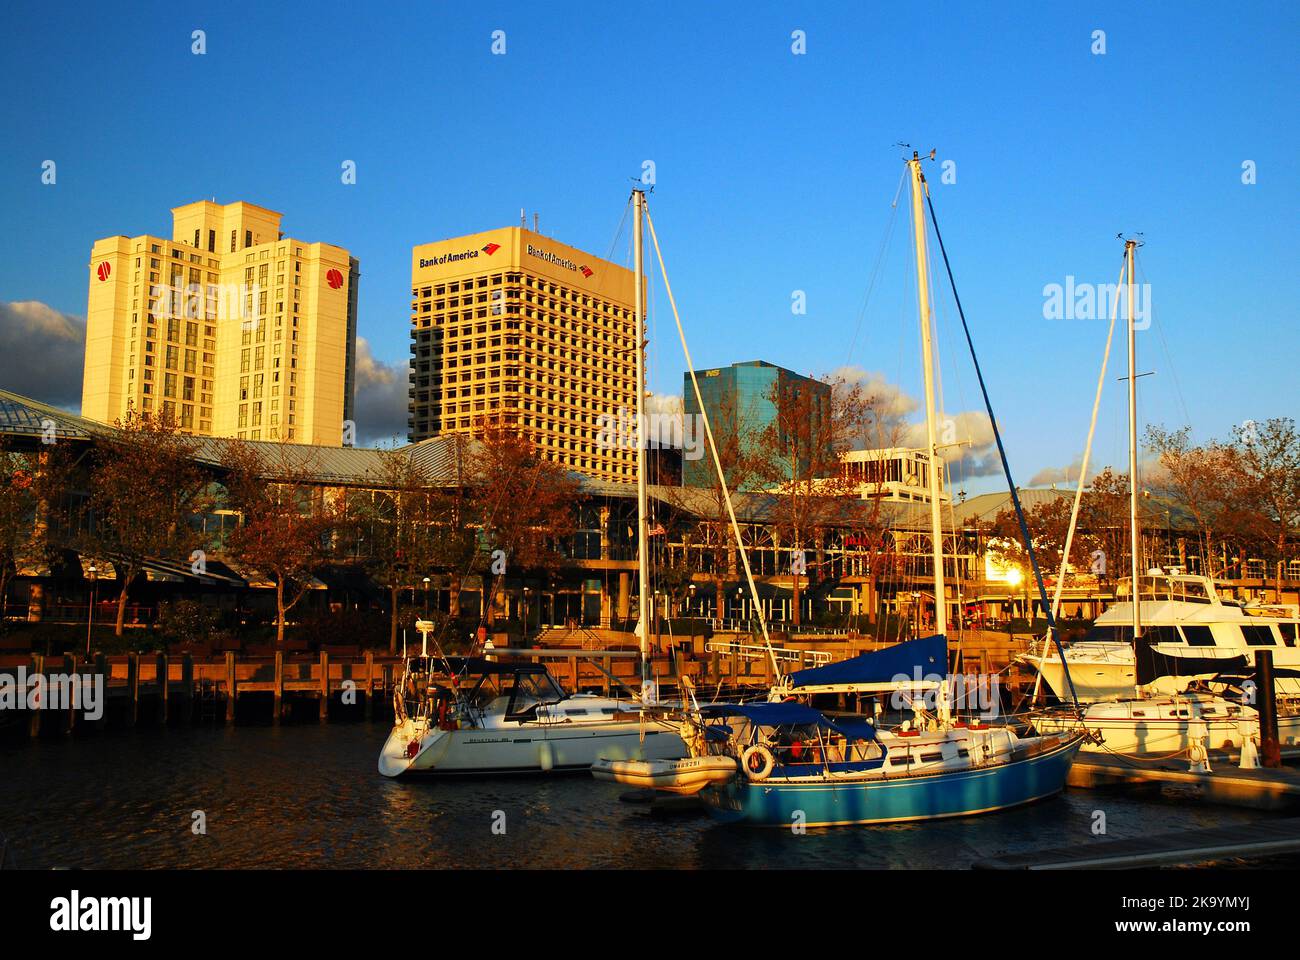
1164	737
822	803
686	776
556	748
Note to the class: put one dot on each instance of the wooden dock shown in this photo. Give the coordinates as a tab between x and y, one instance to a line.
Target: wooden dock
1260	839
1260	789
164	689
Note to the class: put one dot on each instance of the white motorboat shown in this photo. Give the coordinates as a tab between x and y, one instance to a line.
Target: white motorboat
459	716
1189	629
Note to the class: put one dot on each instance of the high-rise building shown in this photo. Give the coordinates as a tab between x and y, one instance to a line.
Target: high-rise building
514	328
740	402
229	326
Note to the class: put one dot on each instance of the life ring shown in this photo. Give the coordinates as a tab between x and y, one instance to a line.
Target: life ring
758	752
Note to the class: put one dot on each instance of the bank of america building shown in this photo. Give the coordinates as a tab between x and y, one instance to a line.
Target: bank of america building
514	328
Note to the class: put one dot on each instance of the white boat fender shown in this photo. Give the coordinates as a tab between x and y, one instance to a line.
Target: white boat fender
763	756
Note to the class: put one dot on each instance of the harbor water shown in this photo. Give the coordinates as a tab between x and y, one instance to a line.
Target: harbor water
309	796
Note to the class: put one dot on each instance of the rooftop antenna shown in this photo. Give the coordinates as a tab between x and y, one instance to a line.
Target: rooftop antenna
536	228
523	219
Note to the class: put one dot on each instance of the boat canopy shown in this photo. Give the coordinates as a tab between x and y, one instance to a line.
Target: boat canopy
788	714
912	660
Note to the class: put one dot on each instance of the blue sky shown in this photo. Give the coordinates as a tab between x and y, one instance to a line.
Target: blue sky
775	172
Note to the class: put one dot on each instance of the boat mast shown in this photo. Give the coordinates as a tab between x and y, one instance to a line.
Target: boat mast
1134	532
927	358
642	548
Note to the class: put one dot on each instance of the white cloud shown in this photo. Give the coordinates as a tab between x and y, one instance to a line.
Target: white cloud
42	352
965	438
381	398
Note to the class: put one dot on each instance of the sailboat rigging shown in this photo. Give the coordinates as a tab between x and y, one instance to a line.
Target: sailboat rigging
783	762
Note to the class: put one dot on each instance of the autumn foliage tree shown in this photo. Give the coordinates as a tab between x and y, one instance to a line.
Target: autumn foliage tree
734	434
415	528
145	489
1269	454
288	522
524	509
798	456
29	484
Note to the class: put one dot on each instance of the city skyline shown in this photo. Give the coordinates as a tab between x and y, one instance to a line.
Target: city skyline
774	173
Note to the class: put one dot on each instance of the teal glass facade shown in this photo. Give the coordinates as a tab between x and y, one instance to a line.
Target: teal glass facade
738	398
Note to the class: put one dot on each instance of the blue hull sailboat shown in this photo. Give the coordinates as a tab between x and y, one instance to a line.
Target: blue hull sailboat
784	763
816	801
796	766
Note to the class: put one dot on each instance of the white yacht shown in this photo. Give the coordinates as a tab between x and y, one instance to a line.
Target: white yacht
1168	725
1189	632
469	715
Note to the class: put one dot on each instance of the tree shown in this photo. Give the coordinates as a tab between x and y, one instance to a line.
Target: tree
1049	523
145	489
798	457
1104	513
1270	459
288	522
29	484
524	505
870	540
1205	480
734	435
414	528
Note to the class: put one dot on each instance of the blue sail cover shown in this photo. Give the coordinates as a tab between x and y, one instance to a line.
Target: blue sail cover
912	660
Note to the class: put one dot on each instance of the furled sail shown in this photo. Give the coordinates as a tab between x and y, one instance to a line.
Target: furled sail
913	661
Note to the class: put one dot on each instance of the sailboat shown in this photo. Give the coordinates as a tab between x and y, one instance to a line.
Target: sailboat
783	763
1148	664
474	715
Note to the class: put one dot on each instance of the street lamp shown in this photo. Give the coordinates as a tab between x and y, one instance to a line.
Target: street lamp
691	590
90	618
426	598
528	592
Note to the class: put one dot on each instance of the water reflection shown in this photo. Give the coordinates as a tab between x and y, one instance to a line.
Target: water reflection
309	796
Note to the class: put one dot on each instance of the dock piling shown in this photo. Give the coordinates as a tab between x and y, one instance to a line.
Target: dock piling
1266	703
230	686
34	721
74	680
370	684
187	688
133	687
324	686
277	692
162	677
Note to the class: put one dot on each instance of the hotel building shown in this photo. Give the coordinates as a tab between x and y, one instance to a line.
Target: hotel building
514	328
229	326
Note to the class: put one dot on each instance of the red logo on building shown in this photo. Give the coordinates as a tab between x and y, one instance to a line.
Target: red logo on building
586	271
105	268
334	279
491	248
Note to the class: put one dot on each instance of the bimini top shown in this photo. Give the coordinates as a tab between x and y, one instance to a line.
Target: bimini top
923	658
787	714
